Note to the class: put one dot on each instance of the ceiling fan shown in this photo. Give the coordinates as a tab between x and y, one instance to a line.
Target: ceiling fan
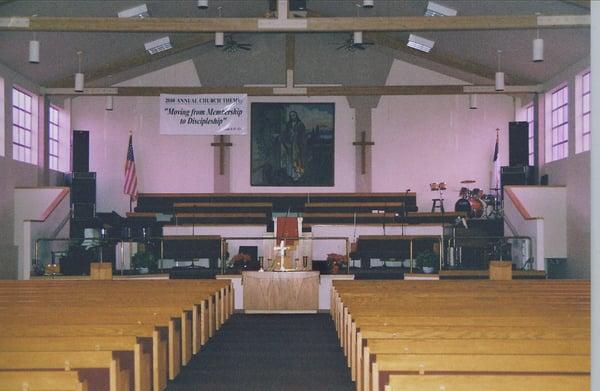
351	46
232	46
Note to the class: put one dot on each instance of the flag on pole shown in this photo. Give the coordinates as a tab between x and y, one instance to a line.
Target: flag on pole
130	186
497	160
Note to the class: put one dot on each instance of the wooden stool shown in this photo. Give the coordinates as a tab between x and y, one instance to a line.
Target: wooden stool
437	203
500	270
100	271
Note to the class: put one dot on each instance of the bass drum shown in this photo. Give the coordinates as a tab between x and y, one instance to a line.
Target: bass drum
477	207
463	205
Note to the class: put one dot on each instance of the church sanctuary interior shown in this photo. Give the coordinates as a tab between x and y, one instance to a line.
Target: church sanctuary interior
297	195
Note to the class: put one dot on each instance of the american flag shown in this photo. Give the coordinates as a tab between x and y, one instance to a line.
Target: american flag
497	160
130	186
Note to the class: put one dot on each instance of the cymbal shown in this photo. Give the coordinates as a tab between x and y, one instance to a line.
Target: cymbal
468	181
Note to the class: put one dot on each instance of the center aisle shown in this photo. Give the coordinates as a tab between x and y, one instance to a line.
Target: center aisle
269	352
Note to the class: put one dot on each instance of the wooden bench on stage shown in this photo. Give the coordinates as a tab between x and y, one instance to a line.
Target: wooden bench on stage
281	202
463	333
325	216
137	333
354	206
257	208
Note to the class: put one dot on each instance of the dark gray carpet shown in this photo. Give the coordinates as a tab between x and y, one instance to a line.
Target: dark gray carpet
269	352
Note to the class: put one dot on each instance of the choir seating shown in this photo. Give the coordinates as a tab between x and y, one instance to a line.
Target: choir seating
465	334
110	335
258	208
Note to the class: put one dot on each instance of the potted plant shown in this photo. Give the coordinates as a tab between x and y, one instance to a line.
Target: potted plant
241	260
144	262
426	260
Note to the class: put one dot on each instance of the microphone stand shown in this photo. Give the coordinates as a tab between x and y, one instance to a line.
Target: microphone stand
404	212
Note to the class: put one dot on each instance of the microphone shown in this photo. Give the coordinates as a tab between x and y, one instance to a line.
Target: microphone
464	223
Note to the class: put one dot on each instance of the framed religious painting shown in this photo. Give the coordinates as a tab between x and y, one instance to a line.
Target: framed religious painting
292	144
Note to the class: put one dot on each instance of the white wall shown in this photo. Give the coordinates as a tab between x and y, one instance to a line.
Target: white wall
425	139
167	77
574	173
178	164
31	223
418	140
14	174
550	204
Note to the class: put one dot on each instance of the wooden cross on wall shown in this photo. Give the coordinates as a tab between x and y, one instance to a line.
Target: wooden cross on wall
363	144
221	144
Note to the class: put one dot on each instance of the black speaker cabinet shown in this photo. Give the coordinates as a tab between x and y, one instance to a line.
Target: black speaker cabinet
83	187
83	211
297	5
518	144
519	175
81	151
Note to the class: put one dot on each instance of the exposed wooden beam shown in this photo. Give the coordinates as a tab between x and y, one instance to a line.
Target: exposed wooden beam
310	91
144	58
197	25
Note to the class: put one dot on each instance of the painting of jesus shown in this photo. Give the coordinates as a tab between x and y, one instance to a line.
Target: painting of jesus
292	144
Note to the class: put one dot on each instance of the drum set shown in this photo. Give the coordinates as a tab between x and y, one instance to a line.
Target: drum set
476	203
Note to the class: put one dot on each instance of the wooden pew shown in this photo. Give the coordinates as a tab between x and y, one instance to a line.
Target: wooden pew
80	336
116	363
525	382
141	348
423	364
488	311
28	295
42	381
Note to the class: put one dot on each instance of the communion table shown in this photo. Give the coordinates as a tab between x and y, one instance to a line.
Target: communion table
281	292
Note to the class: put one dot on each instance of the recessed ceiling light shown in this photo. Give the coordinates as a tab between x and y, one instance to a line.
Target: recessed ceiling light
435	9
420	43
358	37
140	11
159	45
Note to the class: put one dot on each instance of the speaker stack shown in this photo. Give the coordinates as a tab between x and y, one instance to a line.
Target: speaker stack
519	172
82	184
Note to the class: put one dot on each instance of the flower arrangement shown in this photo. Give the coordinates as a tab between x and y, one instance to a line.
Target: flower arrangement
241	259
336	261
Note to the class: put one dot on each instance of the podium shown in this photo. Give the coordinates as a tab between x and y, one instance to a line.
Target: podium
281	292
287	231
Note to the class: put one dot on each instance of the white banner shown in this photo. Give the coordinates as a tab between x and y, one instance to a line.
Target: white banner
203	114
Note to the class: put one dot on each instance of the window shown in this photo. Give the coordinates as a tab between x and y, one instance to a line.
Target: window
531	133
53	137
22	126
559	105
585	111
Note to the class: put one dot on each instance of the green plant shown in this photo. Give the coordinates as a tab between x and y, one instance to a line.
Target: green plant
144	259
426	258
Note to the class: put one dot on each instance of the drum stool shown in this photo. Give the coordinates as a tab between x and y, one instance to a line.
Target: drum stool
437	203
